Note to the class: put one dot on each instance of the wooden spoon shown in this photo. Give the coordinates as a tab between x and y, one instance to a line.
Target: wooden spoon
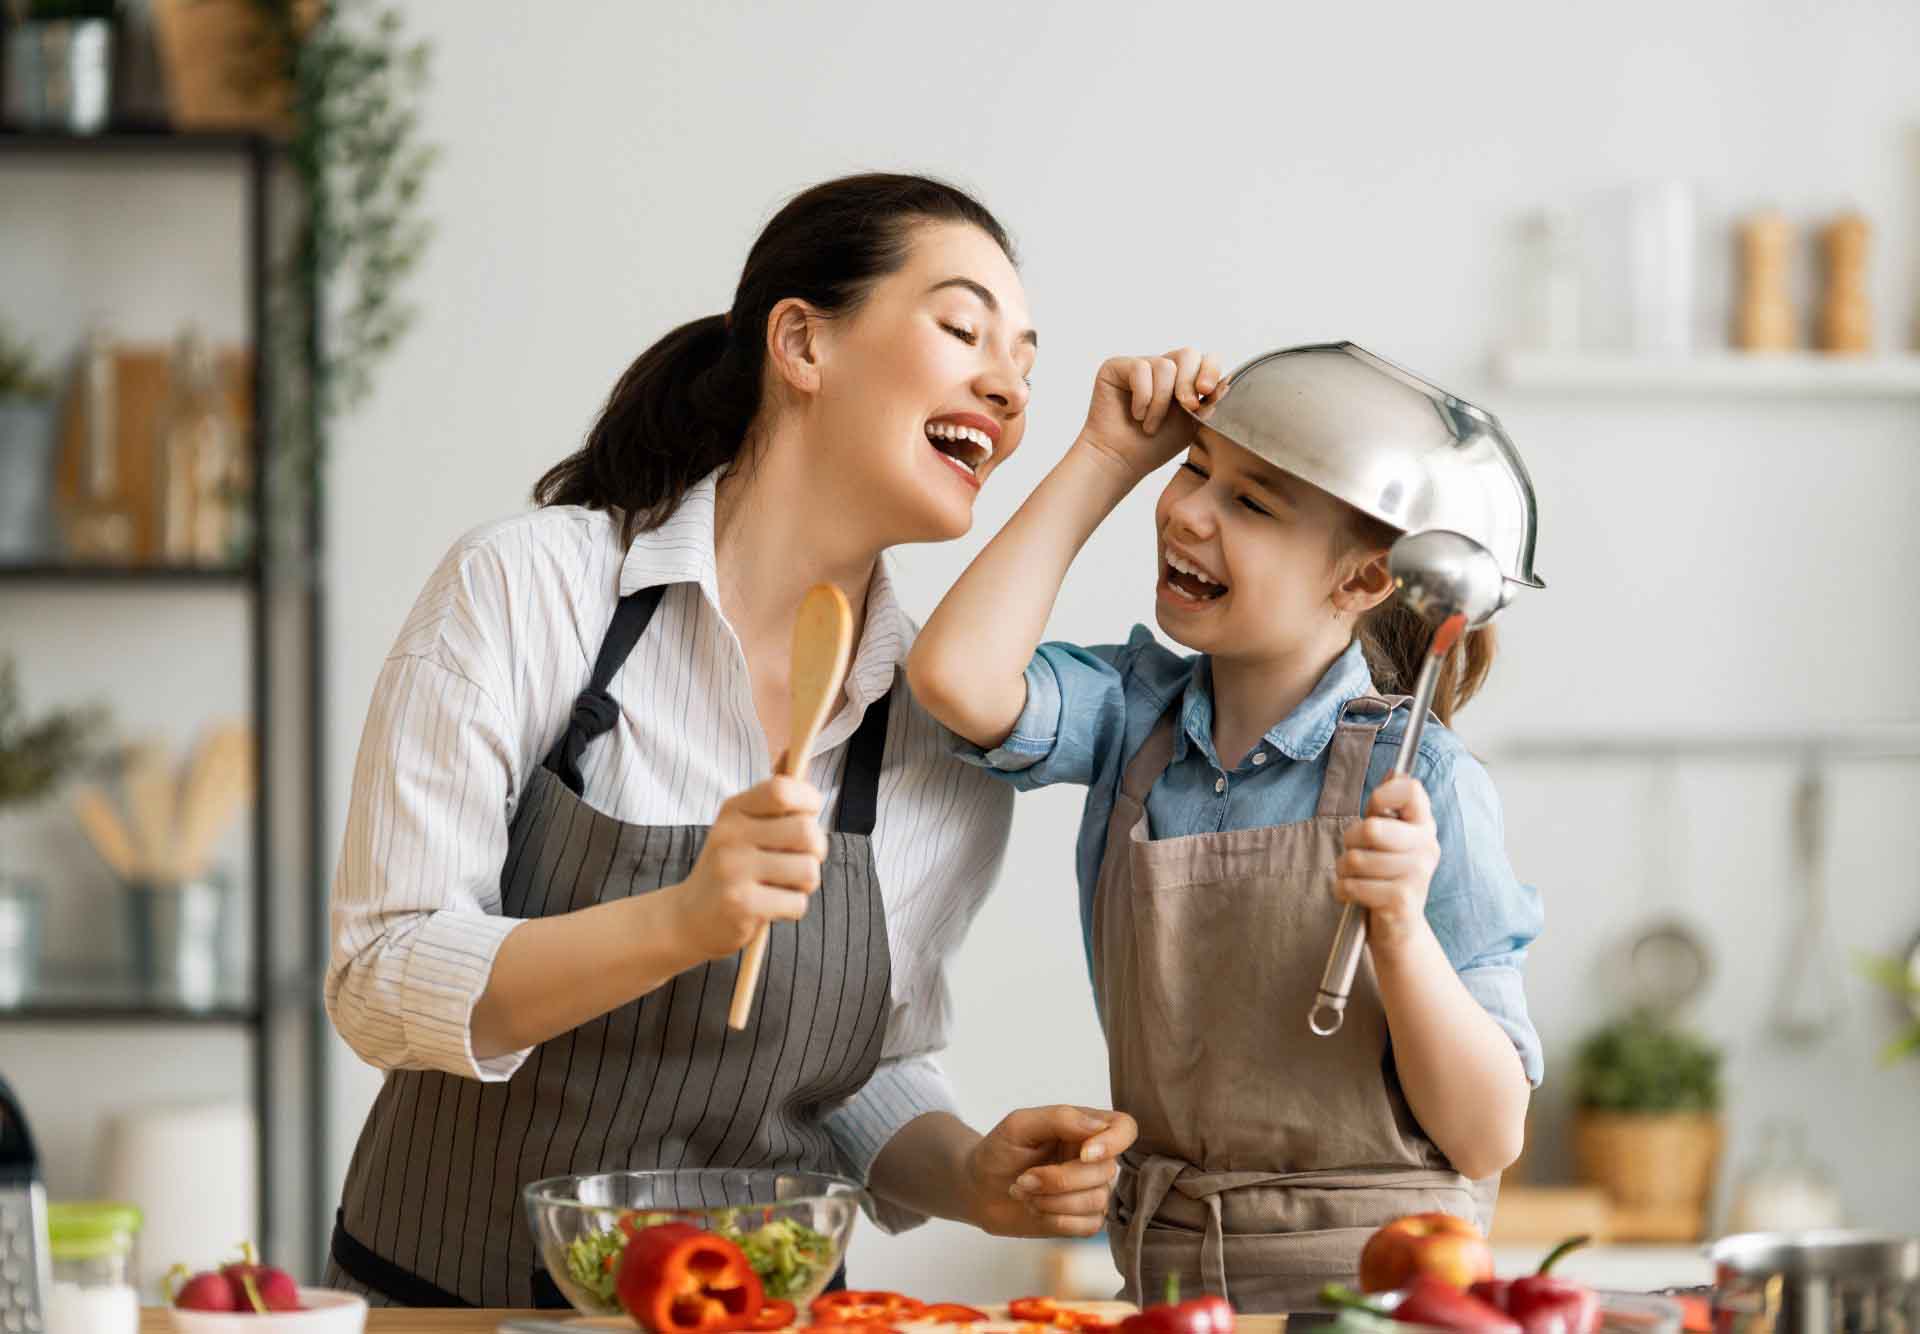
822	643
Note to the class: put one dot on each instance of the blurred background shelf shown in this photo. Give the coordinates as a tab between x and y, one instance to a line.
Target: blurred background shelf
136	140
1787	374
55	572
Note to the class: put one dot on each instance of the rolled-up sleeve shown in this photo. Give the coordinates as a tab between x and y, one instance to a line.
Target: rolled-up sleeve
899	1092
1483	916
1074	720
416	919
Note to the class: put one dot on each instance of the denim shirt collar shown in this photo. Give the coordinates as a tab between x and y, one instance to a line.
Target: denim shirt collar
1302	734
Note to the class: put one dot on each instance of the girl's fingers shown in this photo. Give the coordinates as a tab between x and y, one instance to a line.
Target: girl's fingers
1369	893
1164	381
787	870
1403	798
1140	383
1186	366
1380	833
1366	864
1207	379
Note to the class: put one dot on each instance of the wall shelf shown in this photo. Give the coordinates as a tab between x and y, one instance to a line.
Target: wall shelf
1719	373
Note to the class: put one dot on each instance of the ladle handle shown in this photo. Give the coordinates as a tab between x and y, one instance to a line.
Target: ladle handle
1343	962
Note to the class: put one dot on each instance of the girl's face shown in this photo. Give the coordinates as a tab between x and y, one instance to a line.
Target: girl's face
1251	558
923	389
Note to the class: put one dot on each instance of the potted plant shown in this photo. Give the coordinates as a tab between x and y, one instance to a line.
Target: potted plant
34	757
1901	977
1647	1125
26	452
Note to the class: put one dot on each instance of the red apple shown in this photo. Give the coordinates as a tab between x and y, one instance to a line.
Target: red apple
276	1287
206	1291
1447	1248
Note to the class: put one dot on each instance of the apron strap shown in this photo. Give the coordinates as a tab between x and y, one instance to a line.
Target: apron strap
1150	761
1343	791
860	785
595	711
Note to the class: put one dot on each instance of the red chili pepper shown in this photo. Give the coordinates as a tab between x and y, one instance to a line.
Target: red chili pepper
951	1313
1201	1315
774	1314
1544	1304
676	1279
1431	1301
864	1308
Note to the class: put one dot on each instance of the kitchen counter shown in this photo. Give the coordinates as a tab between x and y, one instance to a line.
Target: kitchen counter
402	1320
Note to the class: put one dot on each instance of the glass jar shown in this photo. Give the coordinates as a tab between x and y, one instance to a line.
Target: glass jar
91	1247
1784	1188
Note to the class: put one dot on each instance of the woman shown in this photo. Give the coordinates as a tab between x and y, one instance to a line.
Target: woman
556	845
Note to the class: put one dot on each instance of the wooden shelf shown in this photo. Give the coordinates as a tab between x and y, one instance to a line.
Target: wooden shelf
155	141
1757	375
54	572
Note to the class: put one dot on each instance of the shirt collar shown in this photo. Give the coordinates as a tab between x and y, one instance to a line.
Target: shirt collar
680	551
1303	733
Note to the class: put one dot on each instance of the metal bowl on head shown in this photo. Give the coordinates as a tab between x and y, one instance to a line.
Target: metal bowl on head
1387	443
794	1226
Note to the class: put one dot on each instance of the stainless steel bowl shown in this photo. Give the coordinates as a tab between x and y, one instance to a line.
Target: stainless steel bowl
1826	1282
1387	443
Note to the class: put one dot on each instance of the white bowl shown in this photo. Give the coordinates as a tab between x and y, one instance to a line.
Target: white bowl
329	1311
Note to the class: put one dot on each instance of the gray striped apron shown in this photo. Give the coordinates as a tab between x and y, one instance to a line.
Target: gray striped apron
1266	1156
432	1212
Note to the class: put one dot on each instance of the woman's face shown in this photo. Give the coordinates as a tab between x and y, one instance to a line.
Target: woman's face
1248	556
923	388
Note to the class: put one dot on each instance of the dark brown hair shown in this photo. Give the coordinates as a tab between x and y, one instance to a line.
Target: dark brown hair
1395	640
686	404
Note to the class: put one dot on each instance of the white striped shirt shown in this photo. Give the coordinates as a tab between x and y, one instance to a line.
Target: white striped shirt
477	688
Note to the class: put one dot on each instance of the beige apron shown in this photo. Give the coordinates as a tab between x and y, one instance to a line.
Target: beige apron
1266	1155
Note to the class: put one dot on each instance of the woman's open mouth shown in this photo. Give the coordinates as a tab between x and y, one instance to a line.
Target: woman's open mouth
1186	581
965	449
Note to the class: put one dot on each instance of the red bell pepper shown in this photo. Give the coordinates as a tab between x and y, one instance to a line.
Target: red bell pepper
774	1314
1542	1303
1200	1315
951	1313
1430	1301
864	1308
677	1279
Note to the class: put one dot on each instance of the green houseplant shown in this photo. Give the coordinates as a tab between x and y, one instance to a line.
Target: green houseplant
355	83
26	451
1901	977
34	757
1647	1125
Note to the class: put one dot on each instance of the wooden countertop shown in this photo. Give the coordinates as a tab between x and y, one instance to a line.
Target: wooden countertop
404	1320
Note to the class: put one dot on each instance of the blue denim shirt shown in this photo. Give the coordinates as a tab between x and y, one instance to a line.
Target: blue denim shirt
1089	710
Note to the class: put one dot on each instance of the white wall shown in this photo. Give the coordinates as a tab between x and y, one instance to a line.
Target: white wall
1246	176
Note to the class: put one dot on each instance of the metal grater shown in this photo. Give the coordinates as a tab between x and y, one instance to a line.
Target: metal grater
25	1276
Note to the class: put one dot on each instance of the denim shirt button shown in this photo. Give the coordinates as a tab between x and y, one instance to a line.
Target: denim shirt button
1219	785
1259	757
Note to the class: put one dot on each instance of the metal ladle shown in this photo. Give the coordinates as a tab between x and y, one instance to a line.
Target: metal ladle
1438	575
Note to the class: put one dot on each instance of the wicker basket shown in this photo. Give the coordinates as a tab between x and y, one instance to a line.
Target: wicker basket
1649	1160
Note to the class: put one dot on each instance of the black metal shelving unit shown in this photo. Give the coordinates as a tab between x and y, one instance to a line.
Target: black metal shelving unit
283	990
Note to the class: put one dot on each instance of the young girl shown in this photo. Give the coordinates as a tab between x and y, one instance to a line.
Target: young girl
1224	830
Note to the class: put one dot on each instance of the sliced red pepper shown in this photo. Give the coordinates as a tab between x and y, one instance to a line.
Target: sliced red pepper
864	1308
1198	1315
832	1327
774	1314
676	1279
1542	1303
951	1313
1431	1301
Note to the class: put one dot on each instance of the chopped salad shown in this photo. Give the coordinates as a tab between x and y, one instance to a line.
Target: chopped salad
789	1256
